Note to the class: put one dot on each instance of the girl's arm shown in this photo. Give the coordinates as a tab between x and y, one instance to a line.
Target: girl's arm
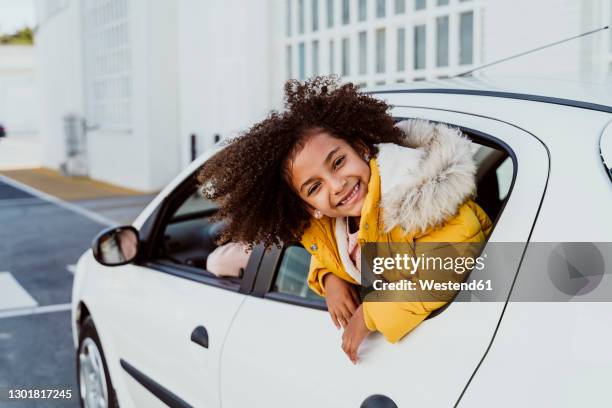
340	296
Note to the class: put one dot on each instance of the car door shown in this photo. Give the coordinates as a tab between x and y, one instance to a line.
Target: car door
283	350
169	317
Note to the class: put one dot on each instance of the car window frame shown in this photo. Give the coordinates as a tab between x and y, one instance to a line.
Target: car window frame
272	259
266	275
152	232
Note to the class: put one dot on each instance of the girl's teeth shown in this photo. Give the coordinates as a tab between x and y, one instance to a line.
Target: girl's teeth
351	196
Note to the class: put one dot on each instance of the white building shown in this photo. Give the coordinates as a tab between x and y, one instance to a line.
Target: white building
147	75
18	90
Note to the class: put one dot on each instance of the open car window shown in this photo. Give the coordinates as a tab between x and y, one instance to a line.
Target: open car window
494	179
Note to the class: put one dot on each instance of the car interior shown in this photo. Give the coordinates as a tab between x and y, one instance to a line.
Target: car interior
189	237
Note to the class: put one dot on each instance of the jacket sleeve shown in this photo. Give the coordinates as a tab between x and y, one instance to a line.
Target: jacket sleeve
316	273
485	221
396	319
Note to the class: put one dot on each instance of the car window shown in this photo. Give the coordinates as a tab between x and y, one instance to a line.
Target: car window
194	204
189	235
291	277
494	174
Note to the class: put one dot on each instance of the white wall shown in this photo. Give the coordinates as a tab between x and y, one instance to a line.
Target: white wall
228	66
58	48
145	156
511	27
18	90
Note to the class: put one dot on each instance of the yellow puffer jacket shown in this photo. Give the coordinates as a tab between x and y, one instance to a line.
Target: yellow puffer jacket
418	192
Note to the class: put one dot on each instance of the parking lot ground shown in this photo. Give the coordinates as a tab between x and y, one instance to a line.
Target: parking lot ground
41	238
37	353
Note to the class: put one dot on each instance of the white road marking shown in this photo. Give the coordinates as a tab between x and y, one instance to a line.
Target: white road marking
13	295
35	310
71	268
58	201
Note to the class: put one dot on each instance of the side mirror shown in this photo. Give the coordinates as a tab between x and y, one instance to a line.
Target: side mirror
116	246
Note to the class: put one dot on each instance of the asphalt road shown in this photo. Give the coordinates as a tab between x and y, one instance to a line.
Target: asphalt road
40	241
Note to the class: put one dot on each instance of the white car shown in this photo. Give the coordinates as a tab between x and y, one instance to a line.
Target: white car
162	331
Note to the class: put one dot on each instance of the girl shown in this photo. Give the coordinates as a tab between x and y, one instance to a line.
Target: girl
333	171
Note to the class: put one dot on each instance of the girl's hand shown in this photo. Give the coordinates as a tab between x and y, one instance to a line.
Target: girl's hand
354	334
341	298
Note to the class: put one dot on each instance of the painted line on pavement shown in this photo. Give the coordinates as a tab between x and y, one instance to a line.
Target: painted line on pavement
13	295
58	201
35	310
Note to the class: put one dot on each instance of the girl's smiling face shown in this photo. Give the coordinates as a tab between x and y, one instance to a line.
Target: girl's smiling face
330	175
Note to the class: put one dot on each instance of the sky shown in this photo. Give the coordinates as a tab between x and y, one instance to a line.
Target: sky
14	14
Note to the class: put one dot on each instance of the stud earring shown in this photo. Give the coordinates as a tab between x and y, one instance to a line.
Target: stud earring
318	214
366	157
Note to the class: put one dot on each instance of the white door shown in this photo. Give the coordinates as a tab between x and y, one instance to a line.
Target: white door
169	317
283	351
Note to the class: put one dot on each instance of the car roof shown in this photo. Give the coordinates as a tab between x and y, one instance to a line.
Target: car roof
587	91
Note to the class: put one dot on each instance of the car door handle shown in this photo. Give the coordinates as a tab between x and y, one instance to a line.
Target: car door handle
199	335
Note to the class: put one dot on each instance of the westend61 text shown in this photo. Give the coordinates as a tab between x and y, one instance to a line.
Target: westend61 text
429	284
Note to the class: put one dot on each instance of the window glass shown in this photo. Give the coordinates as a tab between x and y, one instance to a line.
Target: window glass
401	49
301	16
466	37
194	204
381	8
315	15
330	13
332	52
362	12
400	6
345	56
442	3
419	47
315	57
442	41
493	176
420	4
107	63
346	12
380	50
288	18
188	235
504	177
292	275
301	61
363	53
288	62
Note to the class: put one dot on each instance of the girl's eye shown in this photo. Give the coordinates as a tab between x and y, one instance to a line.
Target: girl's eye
313	188
339	161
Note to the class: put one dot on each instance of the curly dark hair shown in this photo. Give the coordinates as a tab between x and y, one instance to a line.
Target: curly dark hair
248	178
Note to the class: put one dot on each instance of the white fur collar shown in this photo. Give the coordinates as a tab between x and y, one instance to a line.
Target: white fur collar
424	182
